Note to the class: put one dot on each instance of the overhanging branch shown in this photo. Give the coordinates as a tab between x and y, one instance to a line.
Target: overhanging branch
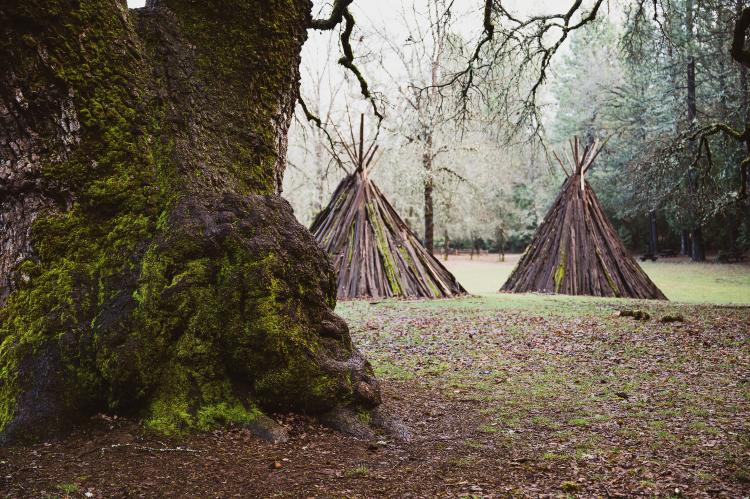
318	123
525	44
339	13
339	6
347	60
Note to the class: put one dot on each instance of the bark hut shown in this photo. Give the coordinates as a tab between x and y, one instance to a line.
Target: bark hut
148	265
373	250
576	250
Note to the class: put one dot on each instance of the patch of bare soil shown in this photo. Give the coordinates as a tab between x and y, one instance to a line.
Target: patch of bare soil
114	458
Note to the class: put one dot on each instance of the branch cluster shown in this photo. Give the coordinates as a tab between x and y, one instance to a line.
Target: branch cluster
341	13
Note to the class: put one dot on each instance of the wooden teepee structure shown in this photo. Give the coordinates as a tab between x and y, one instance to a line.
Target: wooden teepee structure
373	250
576	251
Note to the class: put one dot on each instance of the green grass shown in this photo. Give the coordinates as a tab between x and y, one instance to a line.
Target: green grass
564	306
679	279
480	276
358	471
701	282
68	488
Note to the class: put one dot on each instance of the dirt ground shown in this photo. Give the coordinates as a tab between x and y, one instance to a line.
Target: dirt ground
505	396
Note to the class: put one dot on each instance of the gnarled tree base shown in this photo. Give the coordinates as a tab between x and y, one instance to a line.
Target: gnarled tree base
226	315
147	265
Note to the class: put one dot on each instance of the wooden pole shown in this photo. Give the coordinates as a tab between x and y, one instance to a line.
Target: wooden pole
361	140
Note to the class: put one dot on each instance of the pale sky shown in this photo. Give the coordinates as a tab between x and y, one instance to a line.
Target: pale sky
377	17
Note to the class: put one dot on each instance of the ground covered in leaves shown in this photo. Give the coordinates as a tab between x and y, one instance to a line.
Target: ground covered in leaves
505	395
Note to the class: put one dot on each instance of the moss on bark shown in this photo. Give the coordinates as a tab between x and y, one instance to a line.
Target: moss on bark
165	278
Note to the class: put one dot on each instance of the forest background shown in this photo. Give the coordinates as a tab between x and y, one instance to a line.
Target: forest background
482	166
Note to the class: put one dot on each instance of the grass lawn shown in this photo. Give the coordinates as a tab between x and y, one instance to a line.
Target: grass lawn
679	279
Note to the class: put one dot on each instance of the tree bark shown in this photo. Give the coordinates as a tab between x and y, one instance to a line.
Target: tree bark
745	103
147	264
500	241
446	245
697	252
685	247
652	232
429	185
428	155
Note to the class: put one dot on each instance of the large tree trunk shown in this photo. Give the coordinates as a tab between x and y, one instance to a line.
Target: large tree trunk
743	211
147	264
697	252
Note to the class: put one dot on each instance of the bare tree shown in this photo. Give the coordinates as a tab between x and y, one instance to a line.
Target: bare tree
314	154
423	60
514	55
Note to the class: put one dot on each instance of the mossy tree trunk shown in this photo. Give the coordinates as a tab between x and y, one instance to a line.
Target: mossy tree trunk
147	264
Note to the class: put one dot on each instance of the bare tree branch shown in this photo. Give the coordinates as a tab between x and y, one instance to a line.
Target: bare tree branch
347	60
339	6
318	123
339	13
512	58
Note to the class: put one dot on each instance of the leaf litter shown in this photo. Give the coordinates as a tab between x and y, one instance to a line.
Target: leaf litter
541	398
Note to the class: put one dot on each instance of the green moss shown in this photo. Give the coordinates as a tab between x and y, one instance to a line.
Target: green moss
607	275
570	487
9	389
364	416
250	39
120	177
357	471
559	276
430	282
176	409
560	270
350	249
148	318
233	325
222	413
382	242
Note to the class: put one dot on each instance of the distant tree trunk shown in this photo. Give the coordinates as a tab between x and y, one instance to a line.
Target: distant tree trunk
733	221
148	265
674	79
697	251
429	185
428	155
652	226
685	248
446	245
317	201
500	239
474	246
